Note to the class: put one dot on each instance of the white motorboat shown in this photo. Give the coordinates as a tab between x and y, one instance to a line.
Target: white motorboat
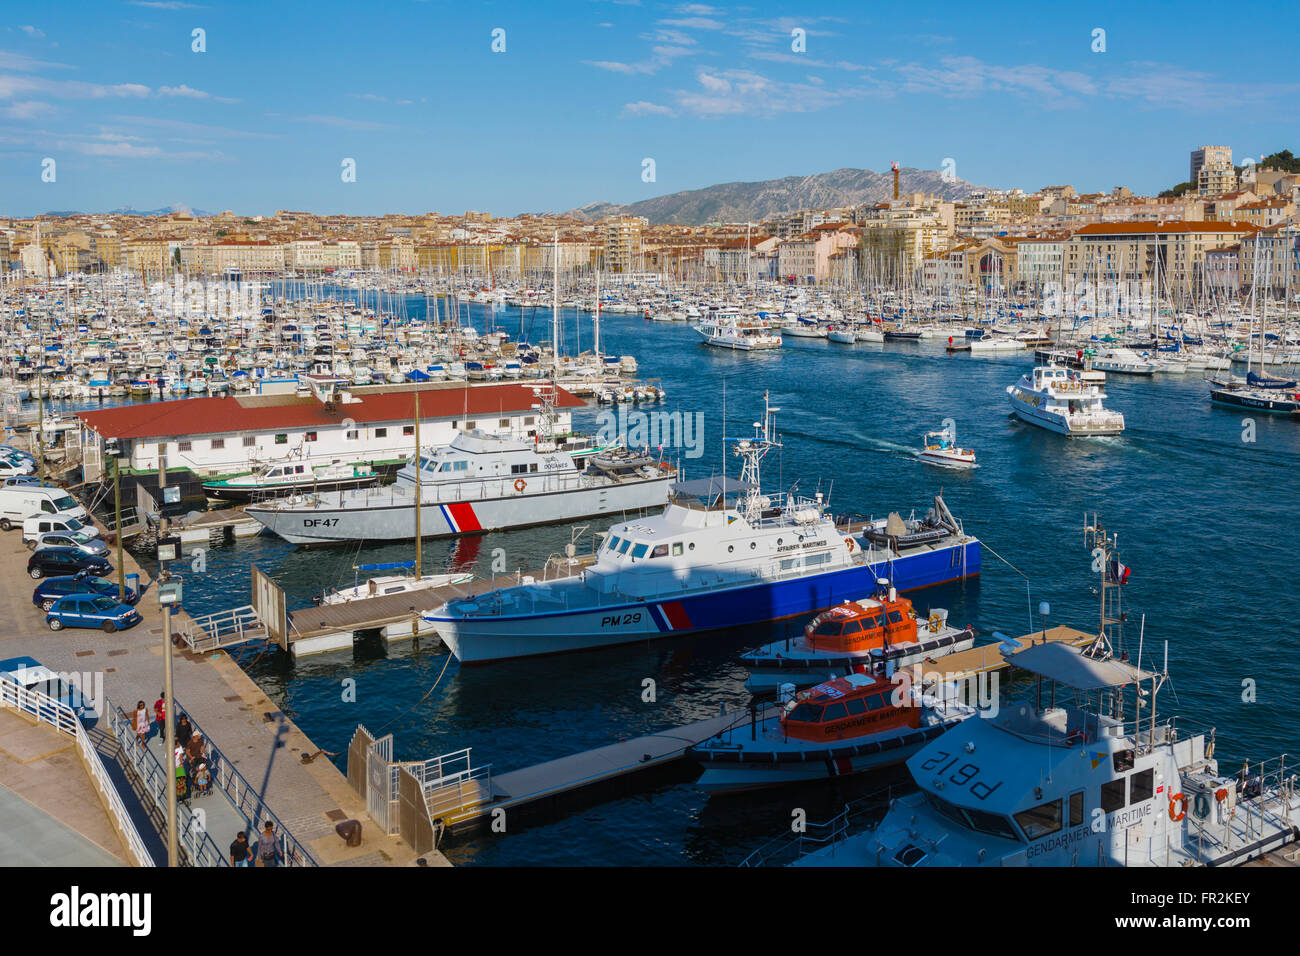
940	448
1061	401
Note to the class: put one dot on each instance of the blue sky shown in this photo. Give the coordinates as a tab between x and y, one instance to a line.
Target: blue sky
585	90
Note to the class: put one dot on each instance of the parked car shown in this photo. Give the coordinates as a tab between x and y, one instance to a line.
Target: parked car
51	589
89	543
91	610
31	674
18	453
58	561
37	525
11	467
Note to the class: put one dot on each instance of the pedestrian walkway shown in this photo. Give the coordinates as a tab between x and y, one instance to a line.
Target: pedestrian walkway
51	811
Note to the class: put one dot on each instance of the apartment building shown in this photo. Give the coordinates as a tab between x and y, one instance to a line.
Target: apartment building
621	240
1134	251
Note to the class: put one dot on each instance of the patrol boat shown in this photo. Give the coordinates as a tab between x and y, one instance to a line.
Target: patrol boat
851	638
1084	774
290	477
479	482
720	555
843	726
1061	401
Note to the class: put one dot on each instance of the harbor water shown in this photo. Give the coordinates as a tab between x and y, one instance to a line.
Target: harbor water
1197	495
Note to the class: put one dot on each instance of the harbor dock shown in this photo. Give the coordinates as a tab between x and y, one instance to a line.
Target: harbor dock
291	777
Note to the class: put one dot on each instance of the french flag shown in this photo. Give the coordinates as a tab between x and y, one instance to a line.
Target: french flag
1118	572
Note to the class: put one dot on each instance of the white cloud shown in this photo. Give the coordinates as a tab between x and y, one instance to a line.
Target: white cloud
645	108
33	32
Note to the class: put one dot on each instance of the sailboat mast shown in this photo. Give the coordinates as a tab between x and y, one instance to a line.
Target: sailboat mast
555	303
419	498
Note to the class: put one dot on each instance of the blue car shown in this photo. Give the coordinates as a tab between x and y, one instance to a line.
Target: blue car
51	589
91	610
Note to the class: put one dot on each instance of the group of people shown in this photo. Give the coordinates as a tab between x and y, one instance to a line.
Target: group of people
266	851
192	773
194	777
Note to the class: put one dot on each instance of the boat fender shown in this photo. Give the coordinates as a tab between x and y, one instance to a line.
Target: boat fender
1177	806
1209	750
520	484
849	542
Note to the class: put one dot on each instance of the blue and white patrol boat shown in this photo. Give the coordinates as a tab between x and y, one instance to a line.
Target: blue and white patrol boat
720	555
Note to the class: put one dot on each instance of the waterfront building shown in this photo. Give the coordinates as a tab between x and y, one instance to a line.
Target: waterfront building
371	425
621	238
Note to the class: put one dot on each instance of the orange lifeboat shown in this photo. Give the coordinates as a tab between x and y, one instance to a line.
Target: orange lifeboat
859	705
860	626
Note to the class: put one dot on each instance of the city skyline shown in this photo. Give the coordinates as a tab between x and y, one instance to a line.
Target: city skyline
265	116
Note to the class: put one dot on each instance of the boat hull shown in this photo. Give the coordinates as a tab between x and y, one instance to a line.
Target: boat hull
327	523
485	637
768	670
754	768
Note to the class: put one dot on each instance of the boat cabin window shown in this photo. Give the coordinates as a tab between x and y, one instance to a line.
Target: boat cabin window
1140	786
857	705
827	627
612	543
875	702
1041	820
622	548
677	549
1076	809
1112	795
852	627
834	711
532	467
895	617
660	551
991	823
1122	760
640	550
519	469
806	713
273	473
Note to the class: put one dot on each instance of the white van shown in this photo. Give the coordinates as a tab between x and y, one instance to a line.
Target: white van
18	502
36	525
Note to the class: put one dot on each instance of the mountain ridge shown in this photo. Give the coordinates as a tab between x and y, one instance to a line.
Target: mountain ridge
749	201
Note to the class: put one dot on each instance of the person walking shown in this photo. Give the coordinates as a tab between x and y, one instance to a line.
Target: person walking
184	729
241	851
160	711
268	847
141	723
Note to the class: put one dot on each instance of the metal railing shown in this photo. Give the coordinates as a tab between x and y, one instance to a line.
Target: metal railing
64	719
191	833
248	800
788	847
451	783
221	629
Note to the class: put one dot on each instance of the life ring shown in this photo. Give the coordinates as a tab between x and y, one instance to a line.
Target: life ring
1221	794
849	542
1179	800
520	484
934	623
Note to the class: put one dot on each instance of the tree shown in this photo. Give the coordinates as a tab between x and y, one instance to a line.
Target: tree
1176	191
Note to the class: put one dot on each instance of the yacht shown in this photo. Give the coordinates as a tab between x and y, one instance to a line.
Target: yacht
1124	361
726	330
1061	401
